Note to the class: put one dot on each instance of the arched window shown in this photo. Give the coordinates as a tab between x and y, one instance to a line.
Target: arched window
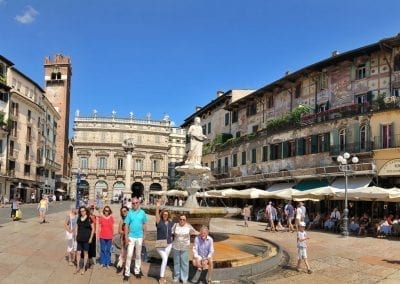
53	76
363	138
396	62
342	140
59	76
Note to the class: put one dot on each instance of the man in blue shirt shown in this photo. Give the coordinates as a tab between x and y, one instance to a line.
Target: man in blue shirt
135	230
203	250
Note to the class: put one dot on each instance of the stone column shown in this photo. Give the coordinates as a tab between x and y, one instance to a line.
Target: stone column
128	148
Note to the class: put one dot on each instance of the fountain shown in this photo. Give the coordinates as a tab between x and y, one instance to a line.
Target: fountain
238	255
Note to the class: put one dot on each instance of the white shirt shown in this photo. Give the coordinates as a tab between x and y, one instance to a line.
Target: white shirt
299	213
335	215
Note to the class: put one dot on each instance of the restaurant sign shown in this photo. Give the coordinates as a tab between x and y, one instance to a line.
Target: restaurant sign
390	168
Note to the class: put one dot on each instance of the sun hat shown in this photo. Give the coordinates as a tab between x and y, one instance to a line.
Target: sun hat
302	224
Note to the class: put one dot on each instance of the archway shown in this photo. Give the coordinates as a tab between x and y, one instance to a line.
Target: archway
100	189
137	189
118	190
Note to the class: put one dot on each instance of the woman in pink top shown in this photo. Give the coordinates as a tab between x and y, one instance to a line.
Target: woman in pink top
106	223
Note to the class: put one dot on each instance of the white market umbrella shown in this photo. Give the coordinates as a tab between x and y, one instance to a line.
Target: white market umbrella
372	193
316	193
249	193
175	192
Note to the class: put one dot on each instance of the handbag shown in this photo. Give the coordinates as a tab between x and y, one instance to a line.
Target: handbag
143	254
161	243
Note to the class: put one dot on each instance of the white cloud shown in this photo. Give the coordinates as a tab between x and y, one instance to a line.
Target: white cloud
28	16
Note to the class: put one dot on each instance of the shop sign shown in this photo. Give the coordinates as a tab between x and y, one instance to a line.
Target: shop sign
390	168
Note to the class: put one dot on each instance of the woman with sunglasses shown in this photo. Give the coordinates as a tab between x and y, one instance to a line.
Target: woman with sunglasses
121	260
106	224
83	238
164	238
180	245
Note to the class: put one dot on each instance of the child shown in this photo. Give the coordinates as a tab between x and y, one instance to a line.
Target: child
302	247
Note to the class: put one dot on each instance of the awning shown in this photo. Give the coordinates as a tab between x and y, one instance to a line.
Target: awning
60	190
311	184
352	182
280	186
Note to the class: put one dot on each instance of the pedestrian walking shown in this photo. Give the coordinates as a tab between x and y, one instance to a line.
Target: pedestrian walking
135	231
246	214
106	229
203	251
121	230
289	212
299	214
302	247
270	213
164	238
180	245
14	208
70	234
43	207
85	234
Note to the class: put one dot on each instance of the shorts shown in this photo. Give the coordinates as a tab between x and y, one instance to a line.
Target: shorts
297	221
42	210
290	220
82	246
302	253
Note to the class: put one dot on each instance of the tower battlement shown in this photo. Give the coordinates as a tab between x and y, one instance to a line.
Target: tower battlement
58	59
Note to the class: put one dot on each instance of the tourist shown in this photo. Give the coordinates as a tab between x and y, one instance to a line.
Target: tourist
299	213
33	197
84	237
246	214
335	218
197	137
203	251
60	197
14	208
106	224
278	220
43	206
302	247
164	238
316	222
289	212
270	213
71	231
303	211
135	232
363	222
122	255
180	245
180	202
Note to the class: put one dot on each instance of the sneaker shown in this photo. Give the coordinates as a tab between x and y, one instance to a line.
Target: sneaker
126	278
138	275
119	269
309	271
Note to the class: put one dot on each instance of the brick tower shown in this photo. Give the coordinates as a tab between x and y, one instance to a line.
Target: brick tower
57	76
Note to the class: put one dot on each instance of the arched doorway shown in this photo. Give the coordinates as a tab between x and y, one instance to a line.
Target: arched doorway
100	189
84	188
137	189
118	190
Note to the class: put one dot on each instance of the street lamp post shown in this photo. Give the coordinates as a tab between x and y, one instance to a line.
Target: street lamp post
346	168
78	190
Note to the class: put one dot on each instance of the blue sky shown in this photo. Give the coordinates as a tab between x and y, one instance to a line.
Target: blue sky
168	56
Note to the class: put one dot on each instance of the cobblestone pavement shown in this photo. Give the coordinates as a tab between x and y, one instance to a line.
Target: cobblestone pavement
35	253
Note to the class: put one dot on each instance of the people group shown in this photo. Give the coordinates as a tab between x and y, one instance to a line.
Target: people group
83	226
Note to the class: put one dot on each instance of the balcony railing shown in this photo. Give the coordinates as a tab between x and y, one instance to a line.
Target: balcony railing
385	142
351	148
220	171
334	113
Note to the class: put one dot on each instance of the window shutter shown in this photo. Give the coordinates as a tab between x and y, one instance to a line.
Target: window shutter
356	136
335	142
367	68
285	149
300	146
353	72
314	144
380	140
271	152
392	136
327	141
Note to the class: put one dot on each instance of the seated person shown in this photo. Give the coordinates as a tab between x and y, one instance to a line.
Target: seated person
354	226
335	217
364	222
385	228
203	250
315	222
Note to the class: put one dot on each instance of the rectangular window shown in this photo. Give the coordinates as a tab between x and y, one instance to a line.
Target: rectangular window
244	158
226	164
102	163
138	165
219	165
234	160
265	153
26	153
209	128
155	166
27	170
1	147
237	135
14	128
297	92
300	147
361	72
4	97
204	127
276	151
270	102
29	116
157	139
254	156
291	148
212	165
14	82
251	109
396	92
308	145
254	128
235	116
84	162
29	134
226	118
120	164
387	136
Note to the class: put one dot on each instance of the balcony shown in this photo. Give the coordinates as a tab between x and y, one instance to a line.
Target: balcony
386	142
336	150
335	113
220	171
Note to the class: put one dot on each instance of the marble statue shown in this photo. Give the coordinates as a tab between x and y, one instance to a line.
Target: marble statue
197	138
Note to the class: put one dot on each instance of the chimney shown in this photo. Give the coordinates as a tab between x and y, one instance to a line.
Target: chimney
219	93
335	53
198	108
